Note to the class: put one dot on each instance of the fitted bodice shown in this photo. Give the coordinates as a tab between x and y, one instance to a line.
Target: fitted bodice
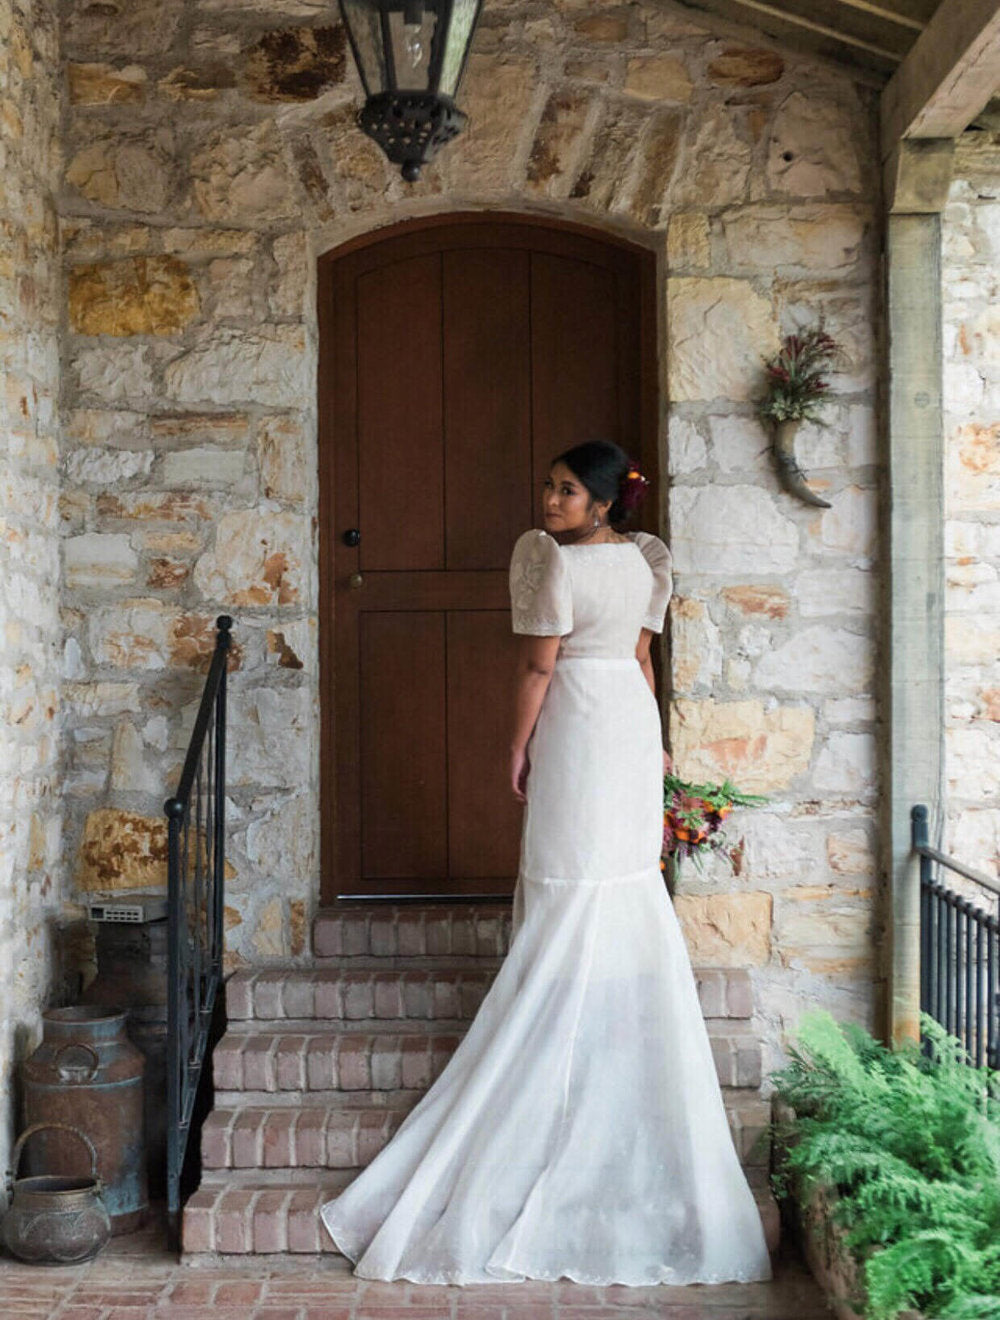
611	585
596	597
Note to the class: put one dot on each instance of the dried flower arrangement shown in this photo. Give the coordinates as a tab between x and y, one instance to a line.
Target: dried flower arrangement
795	376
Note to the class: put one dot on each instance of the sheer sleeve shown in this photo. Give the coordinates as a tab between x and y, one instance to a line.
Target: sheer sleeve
540	594
658	558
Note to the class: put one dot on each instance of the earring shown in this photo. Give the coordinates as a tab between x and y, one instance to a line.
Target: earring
597	520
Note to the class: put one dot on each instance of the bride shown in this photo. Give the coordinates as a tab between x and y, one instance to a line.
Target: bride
578	1131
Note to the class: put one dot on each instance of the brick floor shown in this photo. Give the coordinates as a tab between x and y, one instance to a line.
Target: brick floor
134	1278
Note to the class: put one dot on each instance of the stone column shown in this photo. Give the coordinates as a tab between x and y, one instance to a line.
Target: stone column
916	189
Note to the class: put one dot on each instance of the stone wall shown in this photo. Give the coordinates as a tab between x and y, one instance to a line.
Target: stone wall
31	858
971	314
211	156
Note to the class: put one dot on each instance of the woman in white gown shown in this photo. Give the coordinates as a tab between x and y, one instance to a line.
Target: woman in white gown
578	1131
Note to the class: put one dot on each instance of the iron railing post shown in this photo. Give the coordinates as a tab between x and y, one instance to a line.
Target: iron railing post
195	916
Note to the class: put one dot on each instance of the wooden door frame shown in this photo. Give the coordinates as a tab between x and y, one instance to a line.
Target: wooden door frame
421	231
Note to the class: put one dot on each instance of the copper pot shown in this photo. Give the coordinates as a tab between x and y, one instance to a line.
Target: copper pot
52	1219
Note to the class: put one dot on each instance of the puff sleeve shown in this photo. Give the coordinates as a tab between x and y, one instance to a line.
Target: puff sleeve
540	592
658	558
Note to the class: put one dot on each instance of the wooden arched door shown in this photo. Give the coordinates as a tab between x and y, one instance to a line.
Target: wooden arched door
457	357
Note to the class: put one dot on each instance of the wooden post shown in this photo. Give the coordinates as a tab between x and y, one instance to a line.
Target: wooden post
916	191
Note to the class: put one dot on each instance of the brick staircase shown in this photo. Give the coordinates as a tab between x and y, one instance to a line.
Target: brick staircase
319	1065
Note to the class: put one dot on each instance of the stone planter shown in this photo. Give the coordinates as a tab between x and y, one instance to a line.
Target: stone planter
809	1214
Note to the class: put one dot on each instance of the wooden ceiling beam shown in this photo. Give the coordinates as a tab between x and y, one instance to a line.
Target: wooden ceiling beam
949	75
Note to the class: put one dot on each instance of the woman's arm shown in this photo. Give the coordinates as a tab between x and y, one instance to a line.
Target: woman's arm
645	661
534	673
646	664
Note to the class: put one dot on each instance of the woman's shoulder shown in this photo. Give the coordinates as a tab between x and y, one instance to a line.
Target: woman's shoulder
655	550
535	542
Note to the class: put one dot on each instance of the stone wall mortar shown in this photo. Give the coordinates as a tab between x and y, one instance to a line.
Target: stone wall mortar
203	179
971	333
33	881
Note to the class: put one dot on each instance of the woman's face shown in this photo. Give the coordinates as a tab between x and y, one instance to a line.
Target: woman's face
567	504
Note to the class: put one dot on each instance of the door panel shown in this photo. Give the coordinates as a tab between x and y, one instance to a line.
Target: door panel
484	816
487	405
399	435
403	777
456	359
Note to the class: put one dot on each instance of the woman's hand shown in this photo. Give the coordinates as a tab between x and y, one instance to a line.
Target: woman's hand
668	763
519	767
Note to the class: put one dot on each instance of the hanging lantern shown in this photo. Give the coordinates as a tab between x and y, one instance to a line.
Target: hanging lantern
411	55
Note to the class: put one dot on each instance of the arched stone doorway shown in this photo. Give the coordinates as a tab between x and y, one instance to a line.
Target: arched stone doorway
458	354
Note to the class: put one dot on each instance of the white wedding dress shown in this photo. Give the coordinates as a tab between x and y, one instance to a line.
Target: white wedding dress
578	1131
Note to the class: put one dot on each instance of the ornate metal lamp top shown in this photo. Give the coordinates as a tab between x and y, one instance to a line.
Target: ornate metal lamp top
411	55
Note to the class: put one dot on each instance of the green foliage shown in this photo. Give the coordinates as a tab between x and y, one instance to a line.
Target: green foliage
911	1144
795	376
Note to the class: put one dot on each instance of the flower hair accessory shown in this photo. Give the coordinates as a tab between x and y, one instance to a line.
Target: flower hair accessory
632	488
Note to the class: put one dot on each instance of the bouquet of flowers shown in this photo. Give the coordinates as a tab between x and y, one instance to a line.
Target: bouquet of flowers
693	816
795	383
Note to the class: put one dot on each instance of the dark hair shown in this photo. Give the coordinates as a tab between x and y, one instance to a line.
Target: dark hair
602	467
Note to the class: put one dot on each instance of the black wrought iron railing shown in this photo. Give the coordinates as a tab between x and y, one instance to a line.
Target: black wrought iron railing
196	858
959	947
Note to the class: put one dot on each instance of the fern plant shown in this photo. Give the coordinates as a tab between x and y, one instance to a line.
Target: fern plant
910	1142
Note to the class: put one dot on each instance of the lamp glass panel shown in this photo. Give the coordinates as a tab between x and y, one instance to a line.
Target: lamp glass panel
457	38
411	49
365	25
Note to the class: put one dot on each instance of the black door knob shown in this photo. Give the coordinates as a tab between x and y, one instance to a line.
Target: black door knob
352	536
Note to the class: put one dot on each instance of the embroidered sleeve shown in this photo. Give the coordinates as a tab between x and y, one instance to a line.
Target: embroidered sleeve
540	594
658	558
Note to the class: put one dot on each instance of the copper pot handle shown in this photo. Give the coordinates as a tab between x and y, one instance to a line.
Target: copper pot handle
41	1127
69	1073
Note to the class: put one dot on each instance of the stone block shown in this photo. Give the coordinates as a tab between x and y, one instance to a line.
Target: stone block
295	64
266	366
104	84
716	160
760	750
281	457
203	465
745	66
790	240
658	78
133	296
258	559
557	143
730	531
603	177
133	28
94	466
819	658
846	764
726	930
131	173
97	560
122	850
814	148
497	96
718	331
688	244
242	177
656	167
849	852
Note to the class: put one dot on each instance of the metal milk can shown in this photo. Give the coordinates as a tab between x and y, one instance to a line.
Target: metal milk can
88	1074
54	1220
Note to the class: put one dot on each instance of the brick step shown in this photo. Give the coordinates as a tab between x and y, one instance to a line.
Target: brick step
412	930
298	1137
352	1059
363	993
248	1218
373	992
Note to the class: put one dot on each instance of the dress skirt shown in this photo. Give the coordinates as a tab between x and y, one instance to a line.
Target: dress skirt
578	1131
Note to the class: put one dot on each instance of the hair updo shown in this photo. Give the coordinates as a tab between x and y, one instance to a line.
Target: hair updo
605	468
